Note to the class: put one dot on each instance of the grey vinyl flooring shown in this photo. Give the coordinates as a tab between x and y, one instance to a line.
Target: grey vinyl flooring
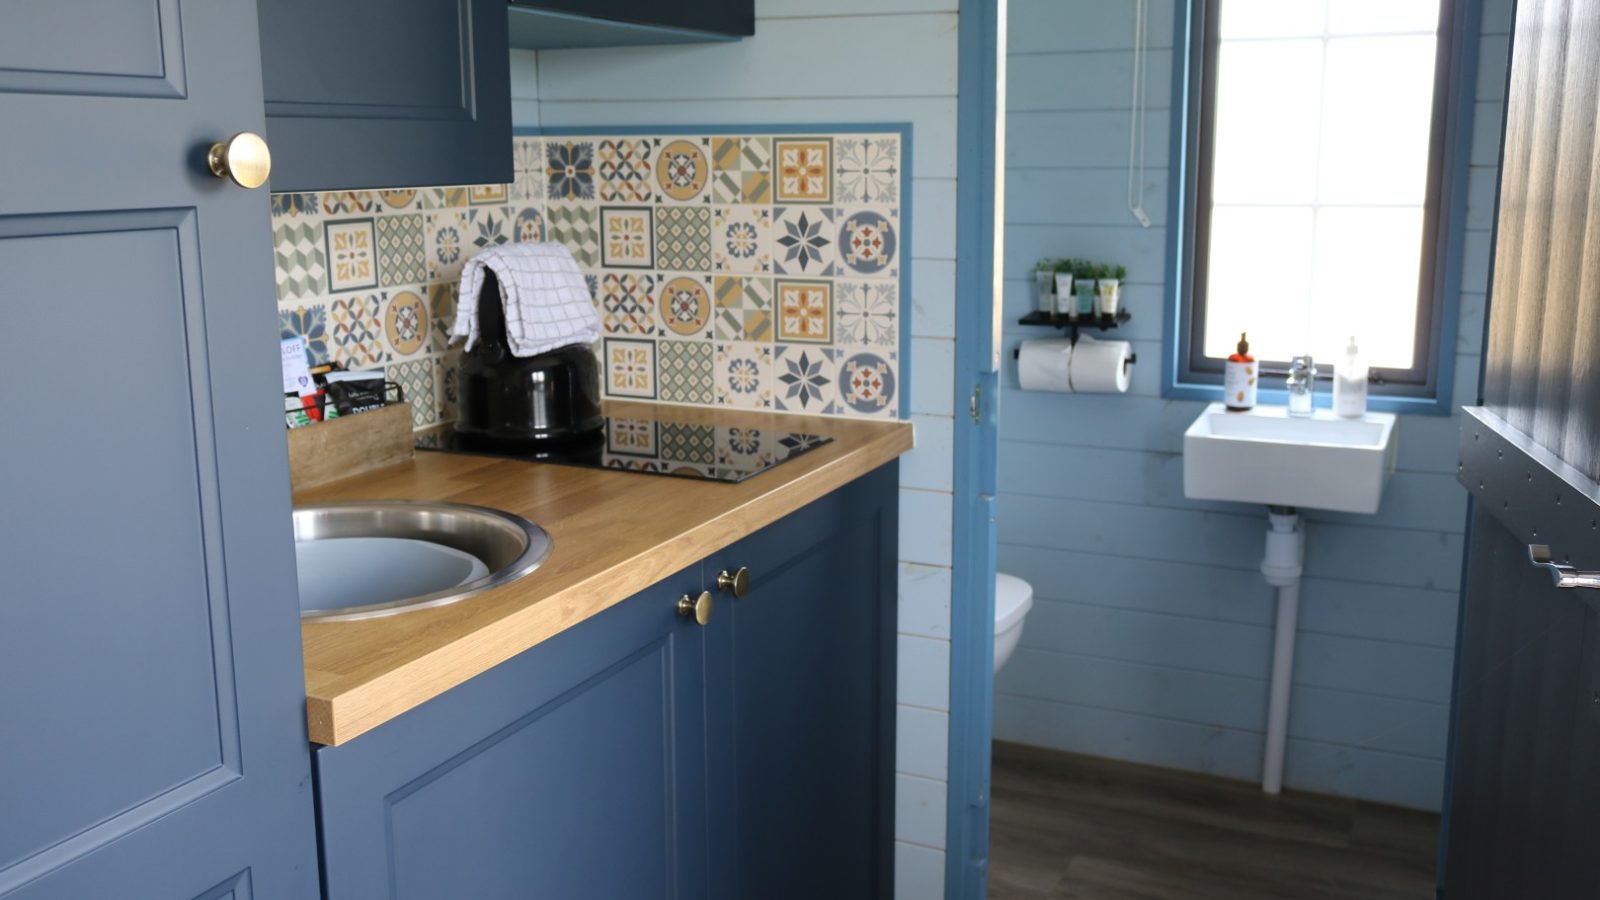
1065	826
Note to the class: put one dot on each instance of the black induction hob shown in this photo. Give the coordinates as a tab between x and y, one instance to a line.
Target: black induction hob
651	446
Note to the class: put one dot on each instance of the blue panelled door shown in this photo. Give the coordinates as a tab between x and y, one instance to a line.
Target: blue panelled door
152	727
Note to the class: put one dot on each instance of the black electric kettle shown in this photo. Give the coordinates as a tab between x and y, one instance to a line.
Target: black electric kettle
547	399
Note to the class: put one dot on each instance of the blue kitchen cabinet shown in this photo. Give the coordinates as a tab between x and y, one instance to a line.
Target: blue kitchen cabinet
386	93
640	754
800	717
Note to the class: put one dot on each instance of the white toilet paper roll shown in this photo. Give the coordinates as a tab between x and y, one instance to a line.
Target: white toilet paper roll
1101	367
1044	366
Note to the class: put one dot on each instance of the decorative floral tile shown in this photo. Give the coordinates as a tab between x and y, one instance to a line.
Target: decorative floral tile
399	199
402	249
630	367
443	197
743	308
682	172
802	170
745	449
577	227
569	168
627	305
344	202
805	311
683	238
803	241
442	312
626	237
868	382
867	169
527	155
867	313
623	170
684	304
416	378
685	443
302	266
527	224
490	226
741	169
804	379
309	322
292	205
405	323
358	331
486	194
352	260
868	244
741	239
449	243
683	372
742	375
634	437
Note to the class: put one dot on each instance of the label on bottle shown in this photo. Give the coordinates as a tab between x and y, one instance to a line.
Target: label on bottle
1239	385
1350	394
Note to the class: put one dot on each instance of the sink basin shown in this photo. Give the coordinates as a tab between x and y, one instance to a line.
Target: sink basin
1267	456
378	558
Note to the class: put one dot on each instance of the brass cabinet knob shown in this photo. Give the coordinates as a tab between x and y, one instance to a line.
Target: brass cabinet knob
699	607
738	581
243	157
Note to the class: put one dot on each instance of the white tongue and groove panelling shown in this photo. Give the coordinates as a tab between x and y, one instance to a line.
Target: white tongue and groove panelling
729	268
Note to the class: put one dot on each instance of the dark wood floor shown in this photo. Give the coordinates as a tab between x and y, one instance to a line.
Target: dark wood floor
1065	826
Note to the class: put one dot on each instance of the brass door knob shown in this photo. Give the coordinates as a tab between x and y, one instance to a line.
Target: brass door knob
699	607
243	157
737	581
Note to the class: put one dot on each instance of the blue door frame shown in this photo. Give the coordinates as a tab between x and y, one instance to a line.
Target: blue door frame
980	172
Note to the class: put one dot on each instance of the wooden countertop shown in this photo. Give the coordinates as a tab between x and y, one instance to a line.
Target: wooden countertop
615	533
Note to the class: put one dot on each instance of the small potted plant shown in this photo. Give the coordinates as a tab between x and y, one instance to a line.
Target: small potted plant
1044	283
1065	269
1108	289
1083	285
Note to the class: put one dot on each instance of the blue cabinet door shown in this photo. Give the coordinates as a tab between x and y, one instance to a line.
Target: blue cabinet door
575	770
386	93
152	714
801	711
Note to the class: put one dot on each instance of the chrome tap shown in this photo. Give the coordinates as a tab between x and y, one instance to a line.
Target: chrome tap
1301	383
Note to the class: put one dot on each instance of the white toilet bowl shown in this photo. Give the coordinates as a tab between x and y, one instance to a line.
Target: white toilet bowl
1013	597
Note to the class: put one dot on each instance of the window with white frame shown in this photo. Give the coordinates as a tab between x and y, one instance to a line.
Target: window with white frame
1316	156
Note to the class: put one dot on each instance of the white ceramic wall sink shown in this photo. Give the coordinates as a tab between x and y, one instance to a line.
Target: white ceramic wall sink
1267	456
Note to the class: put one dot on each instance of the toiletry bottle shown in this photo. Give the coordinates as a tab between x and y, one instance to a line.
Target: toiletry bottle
1239	379
1350	383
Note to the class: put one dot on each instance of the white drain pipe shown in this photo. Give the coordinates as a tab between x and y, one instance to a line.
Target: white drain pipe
1282	565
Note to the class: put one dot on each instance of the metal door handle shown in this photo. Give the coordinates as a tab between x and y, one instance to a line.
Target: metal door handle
1563	576
736	582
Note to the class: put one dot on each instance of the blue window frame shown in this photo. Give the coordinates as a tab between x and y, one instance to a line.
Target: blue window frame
1424	387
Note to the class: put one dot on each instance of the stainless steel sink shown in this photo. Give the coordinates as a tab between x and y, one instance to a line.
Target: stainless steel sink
374	558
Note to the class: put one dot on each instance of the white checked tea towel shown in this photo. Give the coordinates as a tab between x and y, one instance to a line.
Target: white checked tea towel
546	301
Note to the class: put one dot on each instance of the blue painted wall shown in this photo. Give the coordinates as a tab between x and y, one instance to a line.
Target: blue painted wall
1151	636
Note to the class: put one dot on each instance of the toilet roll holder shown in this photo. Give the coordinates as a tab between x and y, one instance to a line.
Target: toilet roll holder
1072	324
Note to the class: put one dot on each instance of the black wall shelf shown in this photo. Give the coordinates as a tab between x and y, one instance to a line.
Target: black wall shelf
1072	324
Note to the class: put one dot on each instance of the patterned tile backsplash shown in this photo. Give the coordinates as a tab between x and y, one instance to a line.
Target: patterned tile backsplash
756	271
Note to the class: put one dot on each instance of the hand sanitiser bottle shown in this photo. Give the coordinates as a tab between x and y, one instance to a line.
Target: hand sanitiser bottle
1239	379
1350	383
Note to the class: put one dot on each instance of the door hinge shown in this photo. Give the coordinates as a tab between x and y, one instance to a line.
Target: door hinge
975	405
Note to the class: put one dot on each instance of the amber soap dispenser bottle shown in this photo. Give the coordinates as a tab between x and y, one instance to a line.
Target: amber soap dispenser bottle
1239	379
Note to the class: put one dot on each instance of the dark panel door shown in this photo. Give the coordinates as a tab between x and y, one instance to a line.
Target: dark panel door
152	725
386	93
1524	786
801	709
575	771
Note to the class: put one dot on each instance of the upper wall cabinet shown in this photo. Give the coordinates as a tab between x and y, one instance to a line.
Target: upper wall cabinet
553	24
386	93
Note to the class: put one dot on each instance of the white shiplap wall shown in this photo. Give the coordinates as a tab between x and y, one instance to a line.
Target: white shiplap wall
818	62
1151	638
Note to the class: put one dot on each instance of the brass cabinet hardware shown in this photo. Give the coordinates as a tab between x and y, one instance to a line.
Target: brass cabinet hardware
243	158
738	581
699	608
